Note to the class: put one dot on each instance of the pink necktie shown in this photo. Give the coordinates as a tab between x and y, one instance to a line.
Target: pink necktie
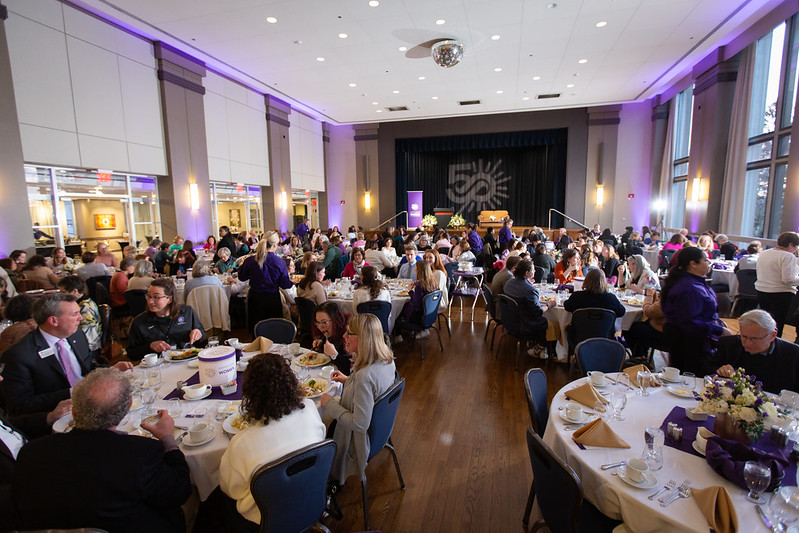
63	356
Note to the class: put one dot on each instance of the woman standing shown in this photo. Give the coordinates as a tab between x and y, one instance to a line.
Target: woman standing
505	234
692	321
312	285
777	277
373	374
267	275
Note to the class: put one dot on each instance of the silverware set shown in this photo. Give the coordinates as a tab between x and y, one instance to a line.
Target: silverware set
668	486
683	491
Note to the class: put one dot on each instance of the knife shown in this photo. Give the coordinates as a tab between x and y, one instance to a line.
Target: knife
765	519
617	382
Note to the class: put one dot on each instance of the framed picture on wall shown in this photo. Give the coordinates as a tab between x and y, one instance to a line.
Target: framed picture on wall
235	217
105	222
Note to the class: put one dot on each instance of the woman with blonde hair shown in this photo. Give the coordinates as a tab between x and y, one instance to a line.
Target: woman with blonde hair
413	311
440	275
373	374
142	276
307	259
267	274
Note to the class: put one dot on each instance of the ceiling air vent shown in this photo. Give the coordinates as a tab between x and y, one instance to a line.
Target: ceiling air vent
546	96
398	108
469	102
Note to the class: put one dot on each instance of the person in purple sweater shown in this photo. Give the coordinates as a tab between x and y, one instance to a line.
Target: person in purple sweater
505	233
474	240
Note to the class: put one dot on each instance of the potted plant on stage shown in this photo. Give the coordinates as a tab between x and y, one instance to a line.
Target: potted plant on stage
428	221
457	221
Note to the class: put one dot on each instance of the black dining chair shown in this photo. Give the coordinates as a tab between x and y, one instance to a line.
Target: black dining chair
560	493
589	323
137	301
538	277
746	297
491	309
604	355
306	309
535	387
511	326
277	330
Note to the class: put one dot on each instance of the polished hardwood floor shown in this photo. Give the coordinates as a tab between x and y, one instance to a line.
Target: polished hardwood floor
459	436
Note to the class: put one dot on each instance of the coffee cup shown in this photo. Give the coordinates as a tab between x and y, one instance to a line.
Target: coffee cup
294	348
241	366
233	342
597	377
701	438
195	391
150	359
326	371
200	432
671	373
574	411
636	470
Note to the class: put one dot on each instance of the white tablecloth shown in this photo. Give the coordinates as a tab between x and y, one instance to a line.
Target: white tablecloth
344	300
236	287
652	257
727	277
617	499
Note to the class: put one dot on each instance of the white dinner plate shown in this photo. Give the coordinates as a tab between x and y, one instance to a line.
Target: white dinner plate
168	359
680	391
663	378
228	426
188	442
63	424
650	481
324	359
325	388
206	395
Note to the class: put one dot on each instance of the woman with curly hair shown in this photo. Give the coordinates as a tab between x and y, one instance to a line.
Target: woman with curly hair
373	373
280	422
327	330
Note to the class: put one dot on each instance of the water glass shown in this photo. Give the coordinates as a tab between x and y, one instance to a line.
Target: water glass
154	379
689	380
213	342
757	478
175	408
644	380
602	410
784	505
618	400
654	439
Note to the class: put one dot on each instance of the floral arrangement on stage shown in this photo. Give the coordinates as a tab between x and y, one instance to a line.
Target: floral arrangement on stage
457	221
429	220
741	398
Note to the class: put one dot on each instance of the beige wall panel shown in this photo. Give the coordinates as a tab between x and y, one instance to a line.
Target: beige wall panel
97	152
141	104
98	95
49	146
89	29
48	12
216	126
218	169
237	131
146	159
135	49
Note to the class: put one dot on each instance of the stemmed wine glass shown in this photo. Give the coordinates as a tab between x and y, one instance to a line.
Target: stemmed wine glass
618	400
757	477
644	380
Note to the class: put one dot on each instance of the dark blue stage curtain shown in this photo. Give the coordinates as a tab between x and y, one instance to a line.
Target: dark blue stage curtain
523	172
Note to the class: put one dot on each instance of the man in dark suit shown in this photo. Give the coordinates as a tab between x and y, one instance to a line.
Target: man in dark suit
98	476
43	366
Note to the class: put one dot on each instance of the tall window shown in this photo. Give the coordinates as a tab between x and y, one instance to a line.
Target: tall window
237	206
682	149
771	111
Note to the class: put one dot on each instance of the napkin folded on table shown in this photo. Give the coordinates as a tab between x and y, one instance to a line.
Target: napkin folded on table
632	373
599	433
728	458
586	394
716	505
260	345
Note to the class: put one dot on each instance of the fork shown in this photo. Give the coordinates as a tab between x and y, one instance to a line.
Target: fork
685	486
682	493
668	486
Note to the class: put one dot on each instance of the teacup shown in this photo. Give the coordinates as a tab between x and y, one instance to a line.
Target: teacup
597	377
701	438
574	411
233	342
671	373
195	391
200	432
636	470
294	348
241	366
150	359
326	371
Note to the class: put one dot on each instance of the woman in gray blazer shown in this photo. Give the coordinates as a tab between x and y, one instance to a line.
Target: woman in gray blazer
373	373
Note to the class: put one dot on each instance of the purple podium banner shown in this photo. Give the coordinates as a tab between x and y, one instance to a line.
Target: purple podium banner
414	209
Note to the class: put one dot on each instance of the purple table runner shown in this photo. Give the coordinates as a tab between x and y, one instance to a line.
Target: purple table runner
216	392
690	427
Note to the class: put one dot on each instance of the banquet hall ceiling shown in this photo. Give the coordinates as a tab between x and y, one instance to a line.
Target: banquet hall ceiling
515	50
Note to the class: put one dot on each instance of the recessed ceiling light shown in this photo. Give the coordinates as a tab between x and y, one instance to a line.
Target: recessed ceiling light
536	78
495	37
569	85
395	92
379	110
353	84
421	78
320	59
601	24
435	98
552	5
342	35
374	103
583	61
498	69
500	91
373	3
525	98
403	48
441	22
271	20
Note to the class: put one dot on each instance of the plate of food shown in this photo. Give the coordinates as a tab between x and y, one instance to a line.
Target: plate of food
313	388
180	356
312	359
680	391
334	295
235	423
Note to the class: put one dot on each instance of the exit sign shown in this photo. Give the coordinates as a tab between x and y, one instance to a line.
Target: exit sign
630	196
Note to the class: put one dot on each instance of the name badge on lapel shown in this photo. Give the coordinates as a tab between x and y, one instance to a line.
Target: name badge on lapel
46	353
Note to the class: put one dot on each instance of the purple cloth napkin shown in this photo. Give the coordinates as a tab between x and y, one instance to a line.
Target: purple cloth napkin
216	392
721	266
563	287
728	457
763	446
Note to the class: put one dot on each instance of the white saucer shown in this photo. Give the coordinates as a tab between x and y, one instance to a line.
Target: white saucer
680	392
158	362
605	383
206	395
194	363
662	376
188	442
648	483
583	417
696	449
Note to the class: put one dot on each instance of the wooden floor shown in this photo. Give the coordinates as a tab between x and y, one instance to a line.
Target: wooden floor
460	439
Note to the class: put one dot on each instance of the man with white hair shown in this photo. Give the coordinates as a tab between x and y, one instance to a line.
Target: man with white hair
759	351
100	476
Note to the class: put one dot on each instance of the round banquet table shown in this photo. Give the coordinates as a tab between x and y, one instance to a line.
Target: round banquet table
231	287
725	276
652	256
619	500
397	287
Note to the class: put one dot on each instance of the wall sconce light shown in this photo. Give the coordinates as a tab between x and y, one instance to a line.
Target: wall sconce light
600	196
367	200
283	200
696	186
194	197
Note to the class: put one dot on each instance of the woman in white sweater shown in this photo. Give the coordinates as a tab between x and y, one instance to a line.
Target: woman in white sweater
280	422
312	285
777	278
371	289
373	374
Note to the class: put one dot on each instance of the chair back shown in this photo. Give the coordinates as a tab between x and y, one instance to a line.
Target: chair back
342	263
105	322
665	259
378	308
491	305
101	295
24	285
306	309
300	476
557	487
383	416
535	385
450	268
212	306
592	322
137	301
538	277
509	311
431	301
278	330
604	355
746	282
443	250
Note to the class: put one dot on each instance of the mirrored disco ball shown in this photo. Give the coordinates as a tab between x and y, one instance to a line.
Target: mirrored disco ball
447	53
